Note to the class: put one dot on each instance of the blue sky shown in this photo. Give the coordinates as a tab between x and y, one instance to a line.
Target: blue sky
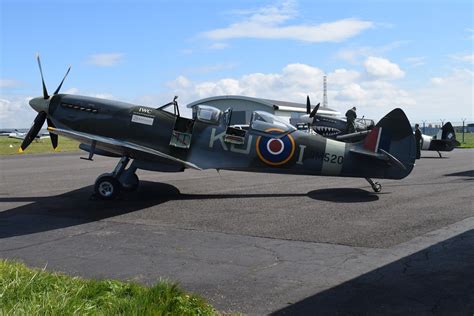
378	55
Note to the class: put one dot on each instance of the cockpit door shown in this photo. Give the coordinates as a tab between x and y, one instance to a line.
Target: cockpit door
227	116
233	135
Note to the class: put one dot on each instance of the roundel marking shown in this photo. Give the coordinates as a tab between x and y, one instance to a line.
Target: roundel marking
275	146
275	151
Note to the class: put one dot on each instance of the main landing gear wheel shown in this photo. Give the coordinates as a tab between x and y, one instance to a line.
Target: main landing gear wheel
107	187
131	184
377	187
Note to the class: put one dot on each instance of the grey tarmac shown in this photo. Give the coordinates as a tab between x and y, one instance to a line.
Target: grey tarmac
255	243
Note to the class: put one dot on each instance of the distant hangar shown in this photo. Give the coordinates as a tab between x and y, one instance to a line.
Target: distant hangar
244	106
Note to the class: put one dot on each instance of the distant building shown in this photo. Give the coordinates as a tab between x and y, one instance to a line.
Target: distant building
470	128
242	107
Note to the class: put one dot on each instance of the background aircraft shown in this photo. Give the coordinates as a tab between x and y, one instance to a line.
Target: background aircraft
331	125
21	135
160	140
444	140
334	127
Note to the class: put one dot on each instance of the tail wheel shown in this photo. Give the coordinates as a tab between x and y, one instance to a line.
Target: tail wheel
107	187
377	187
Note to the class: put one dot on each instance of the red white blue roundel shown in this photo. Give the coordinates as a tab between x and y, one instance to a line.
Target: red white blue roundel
275	151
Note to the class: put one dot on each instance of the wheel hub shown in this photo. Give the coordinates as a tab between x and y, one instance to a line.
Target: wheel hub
106	188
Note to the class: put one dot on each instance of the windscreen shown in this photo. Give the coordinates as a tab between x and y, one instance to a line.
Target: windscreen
263	122
206	113
365	123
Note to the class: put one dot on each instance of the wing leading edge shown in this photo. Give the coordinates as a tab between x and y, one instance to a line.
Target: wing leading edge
119	146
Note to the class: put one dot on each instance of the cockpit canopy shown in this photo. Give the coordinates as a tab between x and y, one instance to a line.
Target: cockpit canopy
364	123
265	122
207	114
261	121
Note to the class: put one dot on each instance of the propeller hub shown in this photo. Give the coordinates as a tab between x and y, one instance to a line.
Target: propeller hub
40	104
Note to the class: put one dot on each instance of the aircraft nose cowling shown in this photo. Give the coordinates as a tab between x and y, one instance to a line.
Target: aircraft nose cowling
40	104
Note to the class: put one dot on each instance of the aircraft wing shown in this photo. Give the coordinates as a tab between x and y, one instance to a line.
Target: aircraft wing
352	135
118	145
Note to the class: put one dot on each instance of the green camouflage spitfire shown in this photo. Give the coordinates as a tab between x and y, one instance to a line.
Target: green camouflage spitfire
162	140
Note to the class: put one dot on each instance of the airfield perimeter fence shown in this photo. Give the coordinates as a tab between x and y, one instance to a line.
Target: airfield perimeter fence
460	127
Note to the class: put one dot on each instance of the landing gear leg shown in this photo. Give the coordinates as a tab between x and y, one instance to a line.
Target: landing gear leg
129	178
377	187
440	155
107	186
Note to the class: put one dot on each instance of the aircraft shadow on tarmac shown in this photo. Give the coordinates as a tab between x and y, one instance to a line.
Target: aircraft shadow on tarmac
438	280
79	207
467	173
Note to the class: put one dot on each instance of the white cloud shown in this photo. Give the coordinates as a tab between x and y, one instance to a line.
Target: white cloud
437	80
463	57
351	93
416	61
105	59
218	46
268	23
102	95
382	68
450	97
71	91
9	83
471	33
343	76
373	96
15	111
355	54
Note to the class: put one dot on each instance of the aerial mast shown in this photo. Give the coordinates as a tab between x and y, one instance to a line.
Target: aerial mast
325	92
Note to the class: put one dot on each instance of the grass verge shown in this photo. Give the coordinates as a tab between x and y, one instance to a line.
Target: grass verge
468	140
9	146
25	291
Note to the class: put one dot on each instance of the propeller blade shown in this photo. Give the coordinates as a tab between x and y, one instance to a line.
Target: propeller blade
45	91
33	132
314	111
61	84
308	105
53	137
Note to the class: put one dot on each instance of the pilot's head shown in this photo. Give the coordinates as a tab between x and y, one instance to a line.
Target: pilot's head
416	125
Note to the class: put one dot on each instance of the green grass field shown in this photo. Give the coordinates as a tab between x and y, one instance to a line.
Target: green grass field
25	291
9	146
468	140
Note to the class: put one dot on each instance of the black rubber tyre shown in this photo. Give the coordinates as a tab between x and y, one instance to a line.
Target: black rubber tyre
377	187
106	187
132	185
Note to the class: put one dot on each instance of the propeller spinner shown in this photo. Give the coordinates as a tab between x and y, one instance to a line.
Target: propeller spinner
41	105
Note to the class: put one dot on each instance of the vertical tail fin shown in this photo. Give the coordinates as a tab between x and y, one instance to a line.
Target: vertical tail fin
445	140
393	135
448	132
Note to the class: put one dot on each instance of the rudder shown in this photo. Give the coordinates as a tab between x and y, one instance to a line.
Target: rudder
393	134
